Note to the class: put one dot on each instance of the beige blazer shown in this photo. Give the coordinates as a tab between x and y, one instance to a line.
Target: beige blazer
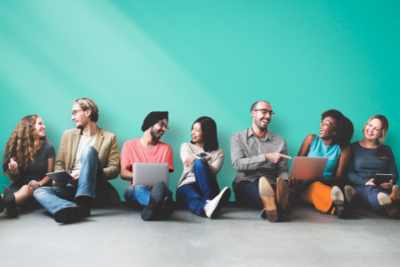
106	145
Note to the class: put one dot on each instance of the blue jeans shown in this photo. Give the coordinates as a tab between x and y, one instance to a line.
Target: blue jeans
139	195
368	195
92	183
247	194
195	195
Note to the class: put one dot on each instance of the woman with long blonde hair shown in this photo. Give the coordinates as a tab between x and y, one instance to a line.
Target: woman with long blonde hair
370	157
30	157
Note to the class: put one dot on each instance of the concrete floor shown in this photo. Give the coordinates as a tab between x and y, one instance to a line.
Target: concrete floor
118	237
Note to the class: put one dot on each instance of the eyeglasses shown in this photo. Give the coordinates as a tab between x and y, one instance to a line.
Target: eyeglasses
163	125
73	113
265	111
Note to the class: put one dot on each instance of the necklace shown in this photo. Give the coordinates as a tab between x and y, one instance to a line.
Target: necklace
364	145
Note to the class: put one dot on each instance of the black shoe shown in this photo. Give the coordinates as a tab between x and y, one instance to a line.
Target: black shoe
84	201
156	197
71	214
167	207
263	214
2	204
338	202
9	202
349	199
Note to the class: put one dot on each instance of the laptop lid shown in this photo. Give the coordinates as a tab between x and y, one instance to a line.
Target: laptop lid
308	168
148	174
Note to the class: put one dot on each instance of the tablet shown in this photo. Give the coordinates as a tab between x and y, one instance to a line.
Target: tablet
61	177
308	168
5	165
381	178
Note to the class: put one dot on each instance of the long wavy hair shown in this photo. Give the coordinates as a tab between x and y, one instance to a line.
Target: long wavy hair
23	142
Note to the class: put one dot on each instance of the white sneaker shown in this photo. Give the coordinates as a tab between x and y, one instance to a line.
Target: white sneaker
214	206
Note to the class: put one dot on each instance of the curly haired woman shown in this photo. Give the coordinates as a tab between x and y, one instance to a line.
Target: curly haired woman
31	157
332	141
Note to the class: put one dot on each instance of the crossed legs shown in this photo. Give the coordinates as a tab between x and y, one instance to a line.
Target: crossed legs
72	202
203	197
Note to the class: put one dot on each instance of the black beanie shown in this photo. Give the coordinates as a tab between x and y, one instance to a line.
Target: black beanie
153	118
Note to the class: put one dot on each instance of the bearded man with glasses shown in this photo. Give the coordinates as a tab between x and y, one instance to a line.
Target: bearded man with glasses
260	158
156	201
91	156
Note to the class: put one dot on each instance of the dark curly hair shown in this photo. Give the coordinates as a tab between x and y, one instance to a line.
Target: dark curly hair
344	127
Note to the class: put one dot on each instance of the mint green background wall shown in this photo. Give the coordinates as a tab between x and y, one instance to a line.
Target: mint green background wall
196	58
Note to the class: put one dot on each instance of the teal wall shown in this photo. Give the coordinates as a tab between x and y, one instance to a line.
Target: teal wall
200	58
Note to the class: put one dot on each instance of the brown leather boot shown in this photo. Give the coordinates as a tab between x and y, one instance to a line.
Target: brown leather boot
395	196
267	196
388	204
282	196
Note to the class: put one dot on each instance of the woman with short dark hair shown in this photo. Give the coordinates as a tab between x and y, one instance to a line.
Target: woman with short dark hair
31	156
370	157
332	141
198	188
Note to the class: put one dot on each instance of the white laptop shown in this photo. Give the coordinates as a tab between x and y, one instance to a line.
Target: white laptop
148	174
308	168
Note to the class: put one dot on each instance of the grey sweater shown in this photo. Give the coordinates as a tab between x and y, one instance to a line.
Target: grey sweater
364	165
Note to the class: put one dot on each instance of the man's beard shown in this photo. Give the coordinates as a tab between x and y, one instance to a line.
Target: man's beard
261	127
155	138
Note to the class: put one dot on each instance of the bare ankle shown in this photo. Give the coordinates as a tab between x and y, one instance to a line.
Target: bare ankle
206	206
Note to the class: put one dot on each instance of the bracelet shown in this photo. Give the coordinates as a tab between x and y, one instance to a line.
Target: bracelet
14	176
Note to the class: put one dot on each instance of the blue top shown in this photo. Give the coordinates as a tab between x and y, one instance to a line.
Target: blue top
319	149
364	165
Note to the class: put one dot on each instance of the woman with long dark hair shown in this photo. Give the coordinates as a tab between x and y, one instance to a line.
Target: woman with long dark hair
370	157
31	156
198	188
332	141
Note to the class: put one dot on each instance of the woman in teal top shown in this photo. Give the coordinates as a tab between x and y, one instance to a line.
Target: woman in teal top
333	142
319	149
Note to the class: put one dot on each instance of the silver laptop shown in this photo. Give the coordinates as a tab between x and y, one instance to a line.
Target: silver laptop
308	168
149	174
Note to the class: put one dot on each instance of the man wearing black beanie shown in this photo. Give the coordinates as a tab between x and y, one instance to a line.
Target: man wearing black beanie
157	201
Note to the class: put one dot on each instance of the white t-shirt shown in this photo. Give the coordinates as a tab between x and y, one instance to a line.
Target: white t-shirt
84	142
